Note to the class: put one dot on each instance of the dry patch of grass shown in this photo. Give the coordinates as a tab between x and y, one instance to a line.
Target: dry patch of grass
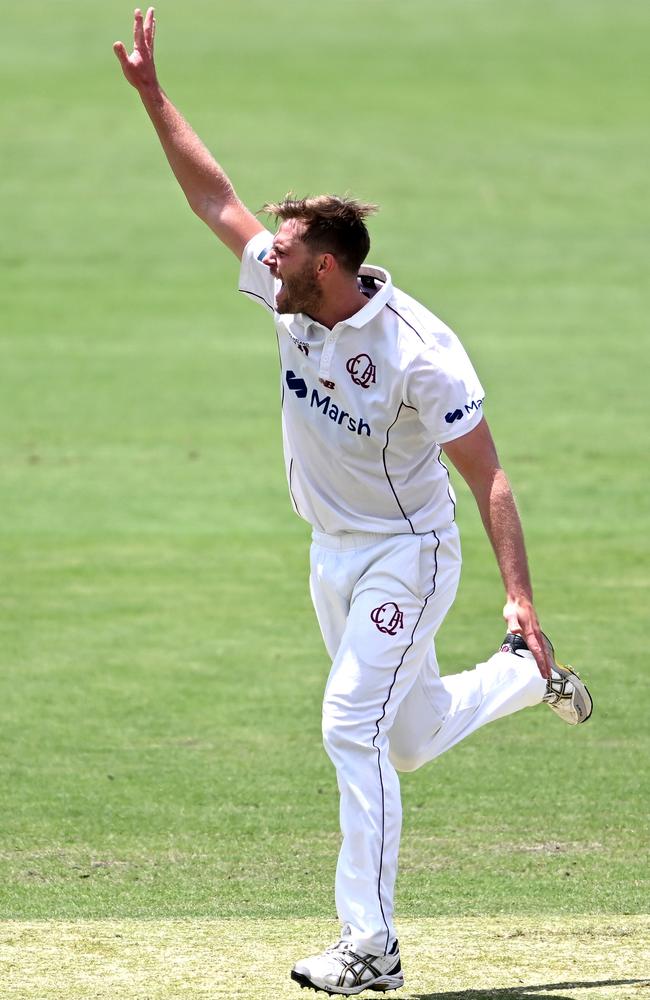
583	958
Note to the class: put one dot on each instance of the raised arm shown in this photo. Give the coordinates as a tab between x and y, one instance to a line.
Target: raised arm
475	457
207	188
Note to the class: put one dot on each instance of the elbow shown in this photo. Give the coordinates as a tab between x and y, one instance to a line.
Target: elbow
198	203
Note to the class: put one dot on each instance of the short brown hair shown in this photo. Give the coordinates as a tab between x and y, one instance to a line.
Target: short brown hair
332	225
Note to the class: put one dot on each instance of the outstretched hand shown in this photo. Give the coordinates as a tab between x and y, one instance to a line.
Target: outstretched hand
521	619
139	68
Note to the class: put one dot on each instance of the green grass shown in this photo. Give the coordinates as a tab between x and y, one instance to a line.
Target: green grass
162	670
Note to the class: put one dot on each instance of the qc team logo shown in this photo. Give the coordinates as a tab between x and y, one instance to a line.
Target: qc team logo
388	618
362	370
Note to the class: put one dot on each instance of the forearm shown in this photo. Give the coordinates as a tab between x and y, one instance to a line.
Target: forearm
475	457
503	527
206	186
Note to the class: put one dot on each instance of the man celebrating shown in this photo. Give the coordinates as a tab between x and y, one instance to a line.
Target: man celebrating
374	389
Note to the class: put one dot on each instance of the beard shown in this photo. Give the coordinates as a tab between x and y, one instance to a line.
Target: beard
300	293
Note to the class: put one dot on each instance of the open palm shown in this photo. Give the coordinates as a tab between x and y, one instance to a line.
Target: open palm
139	68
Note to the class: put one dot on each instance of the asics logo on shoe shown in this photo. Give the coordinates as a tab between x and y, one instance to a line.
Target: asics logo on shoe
362	371
341	970
388	618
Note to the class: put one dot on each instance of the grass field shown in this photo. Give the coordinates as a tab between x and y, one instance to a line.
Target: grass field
161	668
460	958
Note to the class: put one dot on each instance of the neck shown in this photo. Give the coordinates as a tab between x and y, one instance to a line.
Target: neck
337	308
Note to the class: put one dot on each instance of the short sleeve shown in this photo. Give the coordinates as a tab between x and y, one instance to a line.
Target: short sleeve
255	279
444	388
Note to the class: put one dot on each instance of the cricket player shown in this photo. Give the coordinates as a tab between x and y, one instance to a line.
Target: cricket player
375	389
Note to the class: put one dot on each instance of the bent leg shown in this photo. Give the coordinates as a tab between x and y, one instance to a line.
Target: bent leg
439	711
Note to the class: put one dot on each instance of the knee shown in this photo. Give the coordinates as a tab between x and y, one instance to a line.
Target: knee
404	760
405	751
344	735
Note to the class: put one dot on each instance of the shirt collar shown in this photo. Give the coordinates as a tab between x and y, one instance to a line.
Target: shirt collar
372	307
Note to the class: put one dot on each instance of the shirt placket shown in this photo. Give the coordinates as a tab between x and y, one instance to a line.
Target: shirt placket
326	358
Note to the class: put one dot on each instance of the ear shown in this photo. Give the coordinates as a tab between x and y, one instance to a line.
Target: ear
326	264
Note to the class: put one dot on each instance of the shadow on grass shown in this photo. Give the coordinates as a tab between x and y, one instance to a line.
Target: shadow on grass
529	992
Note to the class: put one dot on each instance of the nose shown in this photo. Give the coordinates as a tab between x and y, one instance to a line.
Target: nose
270	259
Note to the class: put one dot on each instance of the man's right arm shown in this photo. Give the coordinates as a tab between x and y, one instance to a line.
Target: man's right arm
207	188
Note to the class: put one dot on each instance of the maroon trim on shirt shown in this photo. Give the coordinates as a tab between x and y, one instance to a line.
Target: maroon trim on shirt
383	456
392	309
443	466
247	291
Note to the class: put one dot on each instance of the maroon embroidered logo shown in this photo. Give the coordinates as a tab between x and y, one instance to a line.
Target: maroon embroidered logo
362	370
388	618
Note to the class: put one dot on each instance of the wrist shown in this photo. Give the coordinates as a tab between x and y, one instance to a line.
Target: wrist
151	94
517	602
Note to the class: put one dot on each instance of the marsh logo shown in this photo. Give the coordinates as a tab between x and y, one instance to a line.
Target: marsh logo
454	415
324	404
362	370
298	385
388	618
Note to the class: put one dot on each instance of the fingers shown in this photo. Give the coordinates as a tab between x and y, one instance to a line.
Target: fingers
537	646
149	28
138	29
511	615
121	53
538	649
513	625
522	620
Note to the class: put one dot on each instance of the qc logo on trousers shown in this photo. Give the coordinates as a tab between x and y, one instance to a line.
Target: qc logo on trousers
388	618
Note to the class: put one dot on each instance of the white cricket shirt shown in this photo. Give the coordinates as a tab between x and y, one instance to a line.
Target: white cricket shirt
367	405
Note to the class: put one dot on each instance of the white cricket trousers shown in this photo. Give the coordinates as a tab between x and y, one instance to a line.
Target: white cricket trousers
380	601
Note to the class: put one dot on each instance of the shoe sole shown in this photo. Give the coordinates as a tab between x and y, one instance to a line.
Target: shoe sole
382	985
584	710
580	700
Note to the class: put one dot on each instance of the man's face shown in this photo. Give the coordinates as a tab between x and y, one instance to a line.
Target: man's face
294	264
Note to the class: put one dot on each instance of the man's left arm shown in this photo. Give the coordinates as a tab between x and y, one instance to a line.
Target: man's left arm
475	456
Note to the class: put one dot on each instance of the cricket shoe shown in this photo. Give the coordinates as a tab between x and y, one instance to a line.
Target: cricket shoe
343	971
565	692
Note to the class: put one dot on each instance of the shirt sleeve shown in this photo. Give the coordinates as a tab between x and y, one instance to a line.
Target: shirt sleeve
255	279
444	388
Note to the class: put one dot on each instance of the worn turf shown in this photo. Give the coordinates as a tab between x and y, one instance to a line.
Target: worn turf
584	958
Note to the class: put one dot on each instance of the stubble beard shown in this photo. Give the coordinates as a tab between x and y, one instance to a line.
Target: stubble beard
300	294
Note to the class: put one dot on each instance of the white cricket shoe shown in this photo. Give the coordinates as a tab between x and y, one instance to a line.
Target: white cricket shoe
565	692
342	970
